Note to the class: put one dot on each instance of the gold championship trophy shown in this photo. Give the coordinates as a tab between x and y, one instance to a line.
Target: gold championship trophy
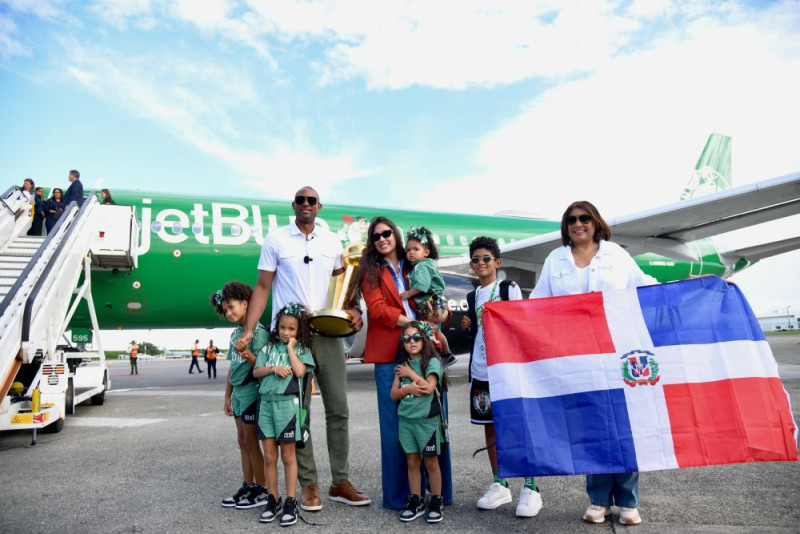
334	321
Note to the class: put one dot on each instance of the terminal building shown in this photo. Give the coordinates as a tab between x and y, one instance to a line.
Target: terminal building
778	322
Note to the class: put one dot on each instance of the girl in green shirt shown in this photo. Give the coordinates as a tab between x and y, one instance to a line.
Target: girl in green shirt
416	387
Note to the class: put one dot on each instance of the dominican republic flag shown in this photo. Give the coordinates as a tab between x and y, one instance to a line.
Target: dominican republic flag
659	377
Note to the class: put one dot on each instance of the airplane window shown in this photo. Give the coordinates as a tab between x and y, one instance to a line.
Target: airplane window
463	240
450	239
436	239
236	230
156	227
177	228
197	229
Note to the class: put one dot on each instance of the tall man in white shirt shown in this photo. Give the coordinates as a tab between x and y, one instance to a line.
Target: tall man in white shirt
296	264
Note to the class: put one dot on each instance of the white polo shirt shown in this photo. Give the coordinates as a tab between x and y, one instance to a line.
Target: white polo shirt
284	252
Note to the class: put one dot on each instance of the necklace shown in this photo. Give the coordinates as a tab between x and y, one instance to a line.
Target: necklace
479	313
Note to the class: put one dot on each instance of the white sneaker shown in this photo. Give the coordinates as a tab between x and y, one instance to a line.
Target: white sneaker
629	516
530	502
495	496
596	514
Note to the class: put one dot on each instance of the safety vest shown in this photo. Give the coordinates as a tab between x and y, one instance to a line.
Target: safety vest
211	352
196	350
134	351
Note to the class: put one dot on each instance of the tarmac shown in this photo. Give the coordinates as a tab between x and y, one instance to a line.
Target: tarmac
159	456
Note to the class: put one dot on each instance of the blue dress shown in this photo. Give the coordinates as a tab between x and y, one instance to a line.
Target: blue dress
58	206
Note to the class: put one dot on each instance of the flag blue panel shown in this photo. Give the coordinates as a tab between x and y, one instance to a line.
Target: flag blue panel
703	310
568	434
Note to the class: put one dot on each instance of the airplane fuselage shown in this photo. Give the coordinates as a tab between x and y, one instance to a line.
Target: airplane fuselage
190	246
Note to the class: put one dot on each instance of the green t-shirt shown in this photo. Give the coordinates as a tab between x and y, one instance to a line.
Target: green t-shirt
278	354
425	277
240	369
423	406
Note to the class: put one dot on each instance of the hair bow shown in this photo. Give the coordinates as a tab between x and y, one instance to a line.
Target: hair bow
420	234
426	329
294	309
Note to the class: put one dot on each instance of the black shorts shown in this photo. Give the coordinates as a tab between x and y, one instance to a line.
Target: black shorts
480	403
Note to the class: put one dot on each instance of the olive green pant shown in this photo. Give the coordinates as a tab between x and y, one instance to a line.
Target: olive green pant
331	372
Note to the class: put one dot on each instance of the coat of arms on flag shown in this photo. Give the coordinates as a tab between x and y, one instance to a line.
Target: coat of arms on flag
659	377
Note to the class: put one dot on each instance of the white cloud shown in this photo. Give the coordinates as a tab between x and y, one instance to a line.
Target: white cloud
9	45
629	135
11	42
196	102
212	16
117	13
46	9
453	45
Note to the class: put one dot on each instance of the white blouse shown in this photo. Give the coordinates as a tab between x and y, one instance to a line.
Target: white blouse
611	268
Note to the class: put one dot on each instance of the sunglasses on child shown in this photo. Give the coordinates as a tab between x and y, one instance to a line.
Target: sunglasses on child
416	338
476	260
386	234
300	200
572	219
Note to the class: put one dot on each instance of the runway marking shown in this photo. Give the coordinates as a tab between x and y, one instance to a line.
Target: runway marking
114	422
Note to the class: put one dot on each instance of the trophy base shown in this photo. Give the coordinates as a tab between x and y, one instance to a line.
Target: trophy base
331	323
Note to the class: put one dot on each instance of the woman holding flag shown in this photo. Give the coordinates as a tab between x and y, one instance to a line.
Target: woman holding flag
587	262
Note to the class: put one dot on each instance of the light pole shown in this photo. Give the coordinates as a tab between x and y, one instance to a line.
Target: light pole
789	317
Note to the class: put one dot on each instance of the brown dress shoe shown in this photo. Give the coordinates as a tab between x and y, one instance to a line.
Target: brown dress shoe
310	501
346	493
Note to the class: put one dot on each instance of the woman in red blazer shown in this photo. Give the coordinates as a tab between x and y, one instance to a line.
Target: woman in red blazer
382	276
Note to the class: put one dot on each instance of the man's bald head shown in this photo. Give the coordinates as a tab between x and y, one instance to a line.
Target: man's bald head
307	190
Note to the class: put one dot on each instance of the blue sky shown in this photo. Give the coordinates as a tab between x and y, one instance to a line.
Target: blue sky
425	104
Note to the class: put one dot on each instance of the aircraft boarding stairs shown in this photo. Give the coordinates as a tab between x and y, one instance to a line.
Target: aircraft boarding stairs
42	282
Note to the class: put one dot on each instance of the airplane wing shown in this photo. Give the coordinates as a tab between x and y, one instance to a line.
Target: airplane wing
759	252
667	230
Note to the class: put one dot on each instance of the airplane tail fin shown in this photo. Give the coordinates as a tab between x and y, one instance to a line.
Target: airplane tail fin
713	171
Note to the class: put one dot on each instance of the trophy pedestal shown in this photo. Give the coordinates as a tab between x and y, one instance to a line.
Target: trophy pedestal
331	323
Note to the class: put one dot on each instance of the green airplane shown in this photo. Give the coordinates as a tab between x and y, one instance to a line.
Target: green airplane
189	246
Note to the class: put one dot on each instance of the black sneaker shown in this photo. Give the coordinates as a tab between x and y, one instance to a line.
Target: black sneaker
272	510
434	509
256	496
230	502
414	508
448	359
289	516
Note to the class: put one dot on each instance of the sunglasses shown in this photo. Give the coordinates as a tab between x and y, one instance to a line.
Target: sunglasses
572	219
300	200
386	234
416	338
476	260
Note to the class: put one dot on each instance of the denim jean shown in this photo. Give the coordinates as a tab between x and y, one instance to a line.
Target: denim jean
394	472
620	489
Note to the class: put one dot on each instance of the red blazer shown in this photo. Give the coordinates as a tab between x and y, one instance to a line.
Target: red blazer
384	307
